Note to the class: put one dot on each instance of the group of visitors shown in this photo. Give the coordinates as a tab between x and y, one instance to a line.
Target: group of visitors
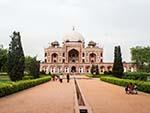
60	77
131	88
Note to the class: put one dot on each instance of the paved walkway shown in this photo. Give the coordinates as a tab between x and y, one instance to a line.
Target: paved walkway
107	98
54	97
51	97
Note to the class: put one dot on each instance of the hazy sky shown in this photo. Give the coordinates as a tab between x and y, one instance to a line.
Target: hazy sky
108	22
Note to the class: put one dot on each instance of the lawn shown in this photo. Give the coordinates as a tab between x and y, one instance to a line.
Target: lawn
4	78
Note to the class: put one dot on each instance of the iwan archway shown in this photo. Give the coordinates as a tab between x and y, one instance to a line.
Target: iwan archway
73	56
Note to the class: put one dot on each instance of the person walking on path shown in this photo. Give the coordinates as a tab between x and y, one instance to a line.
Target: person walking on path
68	78
61	78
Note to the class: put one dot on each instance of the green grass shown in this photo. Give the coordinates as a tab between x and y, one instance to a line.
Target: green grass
89	75
93	76
5	79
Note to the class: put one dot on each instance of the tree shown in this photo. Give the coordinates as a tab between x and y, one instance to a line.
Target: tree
94	69
16	58
117	65
141	56
97	70
3	59
34	68
28	60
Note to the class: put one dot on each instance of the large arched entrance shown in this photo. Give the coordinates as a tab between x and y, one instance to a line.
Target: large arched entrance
92	58
73	56
73	69
54	58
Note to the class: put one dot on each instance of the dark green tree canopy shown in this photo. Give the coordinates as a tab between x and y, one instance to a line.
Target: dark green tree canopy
141	56
28	60
3	59
16	58
94	69
117	65
32	66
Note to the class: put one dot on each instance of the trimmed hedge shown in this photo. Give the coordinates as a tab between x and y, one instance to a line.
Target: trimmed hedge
12	87
142	85
136	75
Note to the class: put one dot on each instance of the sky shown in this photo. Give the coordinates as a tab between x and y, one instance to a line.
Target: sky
107	22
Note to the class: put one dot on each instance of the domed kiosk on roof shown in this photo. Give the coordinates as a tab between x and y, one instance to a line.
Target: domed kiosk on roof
91	43
55	43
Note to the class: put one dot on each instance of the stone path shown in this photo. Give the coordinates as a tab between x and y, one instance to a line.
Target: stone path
107	98
54	97
51	97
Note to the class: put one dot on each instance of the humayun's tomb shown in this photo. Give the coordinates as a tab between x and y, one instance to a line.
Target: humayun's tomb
74	57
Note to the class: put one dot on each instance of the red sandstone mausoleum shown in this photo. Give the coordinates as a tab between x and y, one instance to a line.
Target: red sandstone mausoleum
74	57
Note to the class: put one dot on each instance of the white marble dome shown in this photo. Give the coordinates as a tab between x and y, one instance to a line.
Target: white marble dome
73	36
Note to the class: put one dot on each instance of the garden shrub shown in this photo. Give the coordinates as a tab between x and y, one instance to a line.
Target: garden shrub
12	87
142	85
107	72
136	75
49	73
